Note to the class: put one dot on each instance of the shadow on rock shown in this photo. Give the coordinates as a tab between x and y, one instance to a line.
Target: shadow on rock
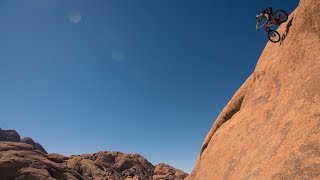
283	37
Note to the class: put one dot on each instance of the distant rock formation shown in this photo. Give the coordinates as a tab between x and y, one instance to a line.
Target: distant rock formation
26	159
270	129
37	145
13	136
111	165
116	165
23	161
164	171
9	135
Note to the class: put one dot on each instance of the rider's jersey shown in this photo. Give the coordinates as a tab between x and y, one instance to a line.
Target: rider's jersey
267	13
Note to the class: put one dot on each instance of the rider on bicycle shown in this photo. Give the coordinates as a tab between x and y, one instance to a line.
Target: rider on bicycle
267	13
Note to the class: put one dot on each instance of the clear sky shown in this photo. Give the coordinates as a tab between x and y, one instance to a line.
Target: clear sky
136	76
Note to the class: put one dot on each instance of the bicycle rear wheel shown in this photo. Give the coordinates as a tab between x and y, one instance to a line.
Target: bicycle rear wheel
273	36
281	15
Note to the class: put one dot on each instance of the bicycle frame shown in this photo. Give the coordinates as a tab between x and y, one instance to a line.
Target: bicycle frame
267	24
267	29
271	22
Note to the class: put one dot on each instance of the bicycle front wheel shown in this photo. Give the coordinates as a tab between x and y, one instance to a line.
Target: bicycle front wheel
281	15
273	36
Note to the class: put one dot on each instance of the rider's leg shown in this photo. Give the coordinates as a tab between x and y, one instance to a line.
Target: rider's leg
269	24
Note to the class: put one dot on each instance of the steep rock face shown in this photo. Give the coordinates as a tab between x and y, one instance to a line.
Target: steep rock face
37	145
271	127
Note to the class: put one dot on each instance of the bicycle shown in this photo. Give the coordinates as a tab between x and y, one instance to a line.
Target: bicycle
277	18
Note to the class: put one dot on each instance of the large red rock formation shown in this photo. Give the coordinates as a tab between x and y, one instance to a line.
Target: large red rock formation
271	127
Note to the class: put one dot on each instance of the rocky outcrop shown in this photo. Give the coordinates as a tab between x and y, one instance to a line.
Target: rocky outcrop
116	165
57	158
26	160
111	165
9	135
271	127
37	145
13	136
164	171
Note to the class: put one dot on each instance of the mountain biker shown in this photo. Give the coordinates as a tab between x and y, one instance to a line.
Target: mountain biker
267	13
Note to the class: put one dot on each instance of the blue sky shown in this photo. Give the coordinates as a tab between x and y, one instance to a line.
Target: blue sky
142	76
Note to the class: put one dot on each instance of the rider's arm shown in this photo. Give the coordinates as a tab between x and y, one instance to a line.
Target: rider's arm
257	25
267	15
